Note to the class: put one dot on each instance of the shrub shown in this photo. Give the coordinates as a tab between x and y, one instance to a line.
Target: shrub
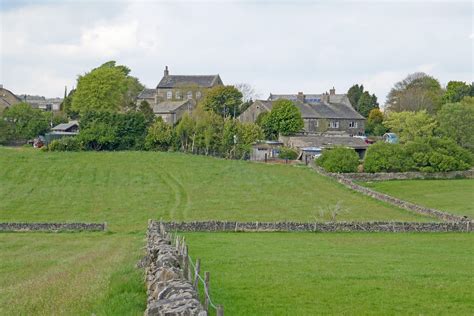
288	153
339	159
160	136
65	144
385	157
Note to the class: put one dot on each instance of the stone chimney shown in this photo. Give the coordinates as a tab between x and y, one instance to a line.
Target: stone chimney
1	86
166	72
332	91
325	98
300	97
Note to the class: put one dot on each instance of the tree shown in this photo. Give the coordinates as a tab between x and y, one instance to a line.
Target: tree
25	122
375	123
248	92
223	100
185	132
66	105
147	111
354	94
456	91
362	101
456	121
284	118
106	88
410	125
416	92
160	136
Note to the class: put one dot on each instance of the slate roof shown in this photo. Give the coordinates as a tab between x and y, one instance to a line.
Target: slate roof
65	126
322	110
168	106
172	81
147	94
326	141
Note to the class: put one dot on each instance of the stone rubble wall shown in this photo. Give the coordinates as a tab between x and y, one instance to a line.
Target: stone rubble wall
168	291
396	227
341	178
52	227
384	176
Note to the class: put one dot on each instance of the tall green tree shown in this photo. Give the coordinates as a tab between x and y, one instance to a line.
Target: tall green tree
106	88
456	121
456	91
147	111
411	125
223	100
284	118
416	92
362	101
160	136
26	122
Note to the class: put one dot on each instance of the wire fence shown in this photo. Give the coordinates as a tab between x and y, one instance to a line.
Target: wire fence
192	270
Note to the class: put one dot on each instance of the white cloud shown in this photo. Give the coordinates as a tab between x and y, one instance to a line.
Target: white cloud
277	47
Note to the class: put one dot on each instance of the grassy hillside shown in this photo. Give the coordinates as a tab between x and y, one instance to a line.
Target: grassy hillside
455	196
127	188
337	274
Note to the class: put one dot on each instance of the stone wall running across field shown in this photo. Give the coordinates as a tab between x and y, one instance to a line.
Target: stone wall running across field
339	177
397	227
168	290
51	227
384	176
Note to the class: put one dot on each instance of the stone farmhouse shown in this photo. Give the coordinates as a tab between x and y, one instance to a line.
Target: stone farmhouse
321	113
7	98
176	94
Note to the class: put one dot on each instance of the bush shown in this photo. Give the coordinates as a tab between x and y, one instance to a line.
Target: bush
385	157
288	153
339	159
160	136
65	144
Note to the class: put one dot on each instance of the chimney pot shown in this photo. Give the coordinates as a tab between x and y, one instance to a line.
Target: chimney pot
166	72
300	97
332	91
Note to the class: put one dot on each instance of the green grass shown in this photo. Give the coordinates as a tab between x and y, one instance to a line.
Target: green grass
127	188
71	274
338	273
454	196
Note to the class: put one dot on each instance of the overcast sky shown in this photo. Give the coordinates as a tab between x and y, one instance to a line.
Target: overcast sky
276	46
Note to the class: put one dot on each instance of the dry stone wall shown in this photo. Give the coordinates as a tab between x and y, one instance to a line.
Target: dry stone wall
52	227
168	291
397	227
341	178
384	176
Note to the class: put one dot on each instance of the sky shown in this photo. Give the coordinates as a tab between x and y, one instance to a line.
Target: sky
275	46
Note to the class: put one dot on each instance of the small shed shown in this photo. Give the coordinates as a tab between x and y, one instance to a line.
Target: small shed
262	151
70	127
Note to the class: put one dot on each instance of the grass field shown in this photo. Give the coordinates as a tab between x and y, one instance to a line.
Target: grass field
85	273
338	273
454	196
127	188
71	274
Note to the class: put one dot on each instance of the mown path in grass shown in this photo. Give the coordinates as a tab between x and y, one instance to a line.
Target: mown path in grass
125	189
338	273
455	196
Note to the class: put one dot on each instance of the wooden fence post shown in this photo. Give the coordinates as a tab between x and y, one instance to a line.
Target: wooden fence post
206	291
185	263
196	273
220	310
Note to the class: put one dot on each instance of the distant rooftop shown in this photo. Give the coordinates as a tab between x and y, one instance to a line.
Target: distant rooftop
172	81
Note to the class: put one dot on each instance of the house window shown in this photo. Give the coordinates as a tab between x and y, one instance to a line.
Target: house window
352	124
334	124
190	95
198	94
169	95
178	95
316	123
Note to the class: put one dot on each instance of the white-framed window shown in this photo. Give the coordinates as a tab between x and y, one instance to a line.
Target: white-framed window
352	124
169	95
334	124
190	95
198	94
316	123
177	94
